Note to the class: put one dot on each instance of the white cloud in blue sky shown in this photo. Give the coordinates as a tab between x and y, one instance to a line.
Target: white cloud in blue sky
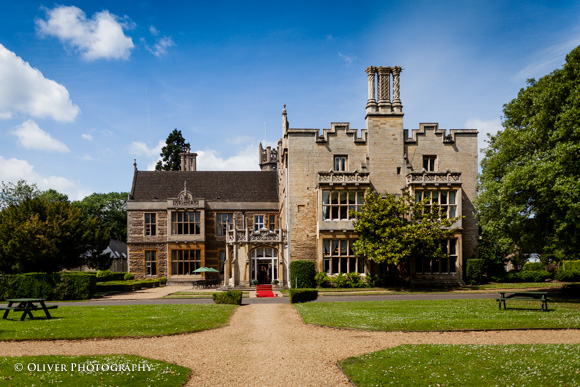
24	90
30	136
138	70
100	37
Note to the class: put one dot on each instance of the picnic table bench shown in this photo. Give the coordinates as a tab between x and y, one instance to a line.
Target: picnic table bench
26	305
527	296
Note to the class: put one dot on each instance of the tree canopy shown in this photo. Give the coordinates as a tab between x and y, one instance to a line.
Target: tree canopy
170	153
46	236
529	188
110	209
394	229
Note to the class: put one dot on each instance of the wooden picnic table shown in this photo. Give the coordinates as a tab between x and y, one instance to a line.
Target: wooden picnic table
527	296
26	305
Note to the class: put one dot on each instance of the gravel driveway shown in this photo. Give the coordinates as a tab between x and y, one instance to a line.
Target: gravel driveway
269	345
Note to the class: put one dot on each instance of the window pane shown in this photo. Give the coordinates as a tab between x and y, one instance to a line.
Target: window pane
335	213
352	268
352	197
435	266
344	265
418	196
334	197
343	196
360	197
343	247
343	212
334	266
443	197
453	247
327	265
452	197
452	211
452	264
444	269
326	247
325	197
335	248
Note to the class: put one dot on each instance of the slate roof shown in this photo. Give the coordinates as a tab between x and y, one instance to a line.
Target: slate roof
230	186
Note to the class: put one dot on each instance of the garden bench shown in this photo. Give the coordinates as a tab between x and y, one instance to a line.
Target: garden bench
26	305
526	296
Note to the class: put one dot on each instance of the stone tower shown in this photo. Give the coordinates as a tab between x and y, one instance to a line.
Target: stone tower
384	122
268	158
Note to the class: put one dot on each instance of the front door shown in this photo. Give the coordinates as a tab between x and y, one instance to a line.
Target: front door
264	265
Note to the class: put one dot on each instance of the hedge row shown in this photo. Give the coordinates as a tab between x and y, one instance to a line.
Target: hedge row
127	286
108	275
303	295
233	297
571	265
53	286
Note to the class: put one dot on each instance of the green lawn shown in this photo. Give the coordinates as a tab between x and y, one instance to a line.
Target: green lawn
81	322
112	370
194	294
439	315
467	365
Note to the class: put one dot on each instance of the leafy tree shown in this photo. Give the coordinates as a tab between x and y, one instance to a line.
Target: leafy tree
51	195
42	236
170	153
13	194
394	229
110	209
529	188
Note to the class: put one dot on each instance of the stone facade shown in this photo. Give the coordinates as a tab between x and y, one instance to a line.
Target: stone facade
303	195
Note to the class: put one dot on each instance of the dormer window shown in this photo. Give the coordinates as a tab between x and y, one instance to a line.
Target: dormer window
429	163
340	163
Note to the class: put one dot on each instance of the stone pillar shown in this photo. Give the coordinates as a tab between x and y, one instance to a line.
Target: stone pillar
384	89
397	106
372	102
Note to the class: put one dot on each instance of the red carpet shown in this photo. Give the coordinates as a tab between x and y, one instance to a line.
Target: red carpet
264	291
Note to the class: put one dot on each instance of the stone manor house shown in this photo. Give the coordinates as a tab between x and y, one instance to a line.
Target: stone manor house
251	225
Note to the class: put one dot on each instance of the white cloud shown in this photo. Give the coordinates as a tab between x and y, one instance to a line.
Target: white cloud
138	148
245	160
346	58
25	90
484	127
96	38
161	45
546	60
87	137
12	170
30	136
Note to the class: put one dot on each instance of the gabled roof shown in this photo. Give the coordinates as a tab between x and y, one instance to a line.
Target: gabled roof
258	186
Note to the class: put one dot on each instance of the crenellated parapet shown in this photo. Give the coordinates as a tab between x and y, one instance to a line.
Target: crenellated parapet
447	138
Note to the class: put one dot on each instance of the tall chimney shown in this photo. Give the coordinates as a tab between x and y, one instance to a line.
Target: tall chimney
188	161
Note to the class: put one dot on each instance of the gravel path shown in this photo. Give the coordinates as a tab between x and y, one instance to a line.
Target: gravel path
268	344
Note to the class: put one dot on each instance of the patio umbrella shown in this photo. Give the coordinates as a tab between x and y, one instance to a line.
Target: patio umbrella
206	269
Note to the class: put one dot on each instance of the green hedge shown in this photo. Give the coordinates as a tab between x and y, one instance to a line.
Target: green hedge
108	275
533	266
233	297
302	274
528	276
53	286
475	269
571	265
126	286
303	295
567	275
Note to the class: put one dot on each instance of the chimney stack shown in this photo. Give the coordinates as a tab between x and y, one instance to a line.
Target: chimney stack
188	161
384	105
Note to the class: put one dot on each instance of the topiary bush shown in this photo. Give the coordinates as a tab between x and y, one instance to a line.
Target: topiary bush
475	270
302	274
128	277
104	276
302	295
233	297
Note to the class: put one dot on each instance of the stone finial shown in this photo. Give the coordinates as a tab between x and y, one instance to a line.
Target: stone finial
371	102
285	123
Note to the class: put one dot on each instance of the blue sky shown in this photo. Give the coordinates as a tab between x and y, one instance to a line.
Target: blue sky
87	87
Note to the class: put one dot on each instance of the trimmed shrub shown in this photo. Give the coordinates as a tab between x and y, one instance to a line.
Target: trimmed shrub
108	275
163	280
76	286
354	280
128	277
125	286
53	286
303	295
475	269
533	266
567	275
340	281
302	274
534	275
233	297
